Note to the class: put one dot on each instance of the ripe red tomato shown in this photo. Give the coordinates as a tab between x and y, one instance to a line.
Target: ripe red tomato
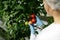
33	20
33	16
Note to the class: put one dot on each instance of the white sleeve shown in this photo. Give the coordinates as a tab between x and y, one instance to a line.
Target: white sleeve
32	37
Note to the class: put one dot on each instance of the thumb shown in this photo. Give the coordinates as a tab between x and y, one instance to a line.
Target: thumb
32	29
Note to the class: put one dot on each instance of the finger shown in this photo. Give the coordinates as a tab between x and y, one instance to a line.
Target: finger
39	22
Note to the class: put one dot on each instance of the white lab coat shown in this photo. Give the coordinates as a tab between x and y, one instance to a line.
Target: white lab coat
52	32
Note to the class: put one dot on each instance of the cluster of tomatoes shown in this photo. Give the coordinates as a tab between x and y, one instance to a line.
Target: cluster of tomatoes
33	19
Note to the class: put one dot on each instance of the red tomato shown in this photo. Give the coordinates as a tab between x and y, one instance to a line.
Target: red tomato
33	20
33	16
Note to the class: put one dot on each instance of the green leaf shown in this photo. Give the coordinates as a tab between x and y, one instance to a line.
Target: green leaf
19	7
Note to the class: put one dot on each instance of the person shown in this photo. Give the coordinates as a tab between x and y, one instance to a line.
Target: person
52	32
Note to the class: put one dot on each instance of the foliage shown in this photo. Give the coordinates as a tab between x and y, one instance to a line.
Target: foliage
14	14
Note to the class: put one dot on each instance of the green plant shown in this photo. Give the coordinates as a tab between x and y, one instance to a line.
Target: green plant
14	14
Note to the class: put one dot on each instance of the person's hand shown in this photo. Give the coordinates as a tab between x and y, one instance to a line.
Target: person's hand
39	23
